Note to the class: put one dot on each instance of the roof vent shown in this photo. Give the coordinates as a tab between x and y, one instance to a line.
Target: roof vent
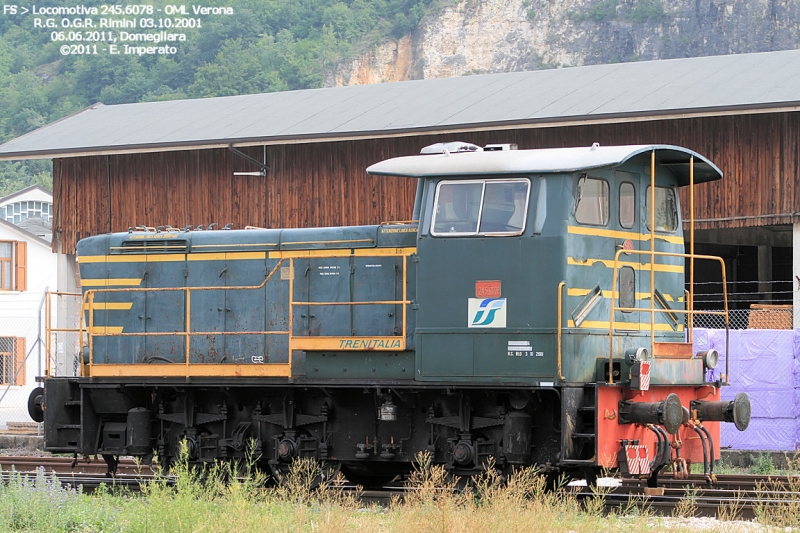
449	148
499	147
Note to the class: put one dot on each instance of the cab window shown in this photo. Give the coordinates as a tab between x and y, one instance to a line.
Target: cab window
481	207
592	201
666	211
627	205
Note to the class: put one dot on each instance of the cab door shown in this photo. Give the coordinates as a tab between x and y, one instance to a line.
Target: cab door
483	291
632	282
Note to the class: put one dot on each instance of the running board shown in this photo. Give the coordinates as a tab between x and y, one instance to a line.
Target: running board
673	350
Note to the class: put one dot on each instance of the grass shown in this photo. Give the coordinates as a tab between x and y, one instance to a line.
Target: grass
206	500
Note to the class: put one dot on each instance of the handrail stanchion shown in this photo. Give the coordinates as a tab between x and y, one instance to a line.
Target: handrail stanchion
560	293
613	307
291	312
652	250
188	328
691	249
91	329
47	327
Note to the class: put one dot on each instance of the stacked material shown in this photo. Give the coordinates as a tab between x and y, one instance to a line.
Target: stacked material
762	364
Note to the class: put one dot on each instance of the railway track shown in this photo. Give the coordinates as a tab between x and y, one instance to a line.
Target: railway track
68	465
744	495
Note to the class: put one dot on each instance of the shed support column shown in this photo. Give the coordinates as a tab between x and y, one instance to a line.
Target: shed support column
796	274
765	272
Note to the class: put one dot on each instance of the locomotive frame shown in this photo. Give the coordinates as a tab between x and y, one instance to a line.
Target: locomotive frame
476	330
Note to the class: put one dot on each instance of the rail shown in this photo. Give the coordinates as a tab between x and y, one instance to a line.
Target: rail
186	368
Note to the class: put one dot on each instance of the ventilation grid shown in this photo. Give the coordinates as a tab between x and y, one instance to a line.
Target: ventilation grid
174	246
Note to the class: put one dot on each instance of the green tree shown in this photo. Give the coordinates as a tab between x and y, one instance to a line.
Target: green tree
266	45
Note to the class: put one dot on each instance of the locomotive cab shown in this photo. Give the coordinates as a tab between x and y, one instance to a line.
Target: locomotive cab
565	268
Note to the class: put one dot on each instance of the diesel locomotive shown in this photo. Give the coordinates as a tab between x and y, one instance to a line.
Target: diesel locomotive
534	310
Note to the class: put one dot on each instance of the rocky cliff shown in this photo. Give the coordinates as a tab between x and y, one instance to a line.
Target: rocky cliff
475	36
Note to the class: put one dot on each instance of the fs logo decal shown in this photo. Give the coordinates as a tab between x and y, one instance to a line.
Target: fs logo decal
487	312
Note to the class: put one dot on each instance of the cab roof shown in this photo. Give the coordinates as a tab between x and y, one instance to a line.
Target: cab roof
547	160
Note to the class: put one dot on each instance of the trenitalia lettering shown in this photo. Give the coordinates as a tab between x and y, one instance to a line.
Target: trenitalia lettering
369	344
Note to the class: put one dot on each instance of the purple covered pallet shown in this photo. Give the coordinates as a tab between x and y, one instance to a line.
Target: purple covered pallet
765	364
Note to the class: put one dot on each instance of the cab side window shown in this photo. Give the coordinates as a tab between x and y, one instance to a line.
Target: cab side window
627	205
457	207
666	211
592	201
481	207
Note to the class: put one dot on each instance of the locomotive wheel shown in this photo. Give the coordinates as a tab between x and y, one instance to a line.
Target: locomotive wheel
36	405
367	477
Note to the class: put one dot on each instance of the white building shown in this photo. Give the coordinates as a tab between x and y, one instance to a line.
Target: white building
28	268
30	202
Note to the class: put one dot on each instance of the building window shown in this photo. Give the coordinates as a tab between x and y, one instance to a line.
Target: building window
19	211
13	265
592	201
12	361
481	207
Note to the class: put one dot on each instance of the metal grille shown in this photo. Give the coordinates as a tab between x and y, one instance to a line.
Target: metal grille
751	304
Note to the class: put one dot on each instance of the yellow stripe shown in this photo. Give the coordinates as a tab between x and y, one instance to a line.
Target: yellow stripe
133	258
374	252
622	326
110	306
615	234
394	344
227	256
230	245
220	256
607	294
193	370
91	259
234	256
345	241
106	329
636	266
112	282
164	258
359	252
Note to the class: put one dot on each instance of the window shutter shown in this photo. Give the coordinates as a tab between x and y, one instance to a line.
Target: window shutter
21	261
19	360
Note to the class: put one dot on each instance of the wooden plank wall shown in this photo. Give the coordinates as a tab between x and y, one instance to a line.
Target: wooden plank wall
325	184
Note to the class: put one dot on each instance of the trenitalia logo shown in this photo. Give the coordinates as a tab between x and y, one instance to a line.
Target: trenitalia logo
487	312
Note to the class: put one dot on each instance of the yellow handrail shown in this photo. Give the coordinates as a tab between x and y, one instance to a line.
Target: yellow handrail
48	327
560	293
690	312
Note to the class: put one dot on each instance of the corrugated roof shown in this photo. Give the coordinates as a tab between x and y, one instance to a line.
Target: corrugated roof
702	85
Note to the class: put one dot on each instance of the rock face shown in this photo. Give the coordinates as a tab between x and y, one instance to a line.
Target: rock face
475	36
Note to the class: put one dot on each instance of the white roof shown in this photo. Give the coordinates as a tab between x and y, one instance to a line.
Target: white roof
544	160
